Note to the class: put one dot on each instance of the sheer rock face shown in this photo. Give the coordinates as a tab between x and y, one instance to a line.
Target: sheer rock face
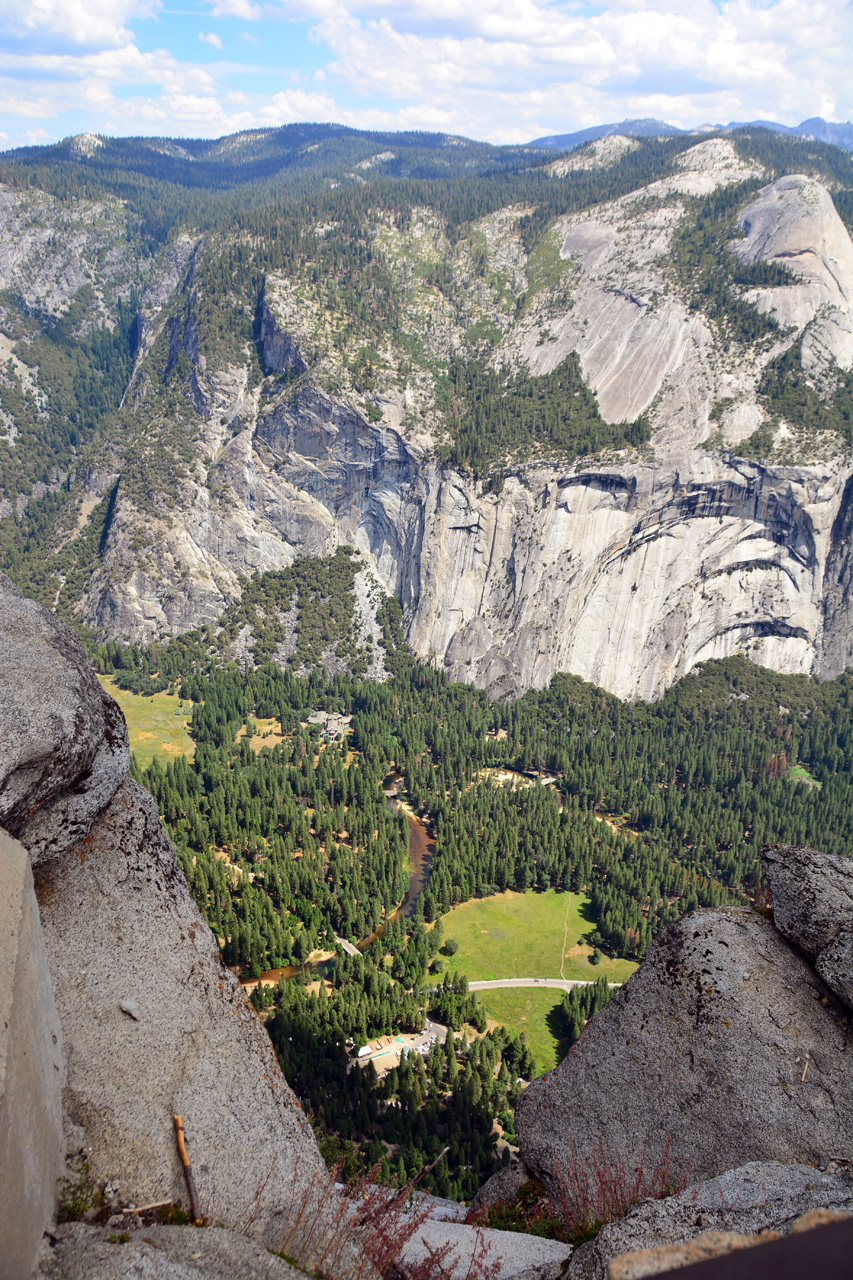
627	569
63	740
627	577
766	1196
813	909
795	223
153	1024
724	1044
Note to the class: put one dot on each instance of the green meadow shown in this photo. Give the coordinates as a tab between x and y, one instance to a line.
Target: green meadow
533	1012
528	935
520	935
157	726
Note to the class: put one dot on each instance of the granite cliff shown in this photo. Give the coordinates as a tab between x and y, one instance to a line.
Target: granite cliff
237	448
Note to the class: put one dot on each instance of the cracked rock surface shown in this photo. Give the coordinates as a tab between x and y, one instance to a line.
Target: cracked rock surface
813	908
725	1044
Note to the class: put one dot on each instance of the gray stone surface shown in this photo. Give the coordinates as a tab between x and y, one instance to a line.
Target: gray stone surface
813	908
79	1252
514	1255
63	740
725	1044
757	1197
121	929
31	1071
502	1186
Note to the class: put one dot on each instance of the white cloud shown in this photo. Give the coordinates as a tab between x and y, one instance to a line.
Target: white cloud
237	9
505	70
85	23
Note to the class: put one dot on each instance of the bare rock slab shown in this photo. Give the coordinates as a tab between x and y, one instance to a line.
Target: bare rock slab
813	908
63	740
79	1252
512	1256
156	1026
760	1197
724	1047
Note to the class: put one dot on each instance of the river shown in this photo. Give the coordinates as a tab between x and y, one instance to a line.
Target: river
421	854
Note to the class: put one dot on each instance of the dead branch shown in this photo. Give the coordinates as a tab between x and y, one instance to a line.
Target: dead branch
188	1171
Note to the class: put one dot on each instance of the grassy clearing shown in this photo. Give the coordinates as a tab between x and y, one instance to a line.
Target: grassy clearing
546	269
157	726
268	734
534	1013
799	774
520	935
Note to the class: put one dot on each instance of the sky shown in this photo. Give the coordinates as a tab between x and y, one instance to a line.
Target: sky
496	70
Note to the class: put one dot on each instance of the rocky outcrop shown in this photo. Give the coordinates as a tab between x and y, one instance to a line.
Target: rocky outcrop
78	1252
152	1022
724	1047
759	1197
813	909
155	1026
280	348
63	744
509	1255
795	223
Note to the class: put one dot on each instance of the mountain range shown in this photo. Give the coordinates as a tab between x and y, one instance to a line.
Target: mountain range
815	129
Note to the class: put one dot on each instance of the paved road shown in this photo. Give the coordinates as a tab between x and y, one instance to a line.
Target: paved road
436	1029
561	984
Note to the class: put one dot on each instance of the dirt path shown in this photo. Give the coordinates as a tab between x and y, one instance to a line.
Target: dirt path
565	937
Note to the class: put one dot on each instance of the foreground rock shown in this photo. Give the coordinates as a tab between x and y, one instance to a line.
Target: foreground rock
78	1252
760	1197
724	1047
813	908
32	1069
153	1025
63	740
506	1255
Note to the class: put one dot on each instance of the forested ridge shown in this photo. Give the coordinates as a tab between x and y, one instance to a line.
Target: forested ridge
656	809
